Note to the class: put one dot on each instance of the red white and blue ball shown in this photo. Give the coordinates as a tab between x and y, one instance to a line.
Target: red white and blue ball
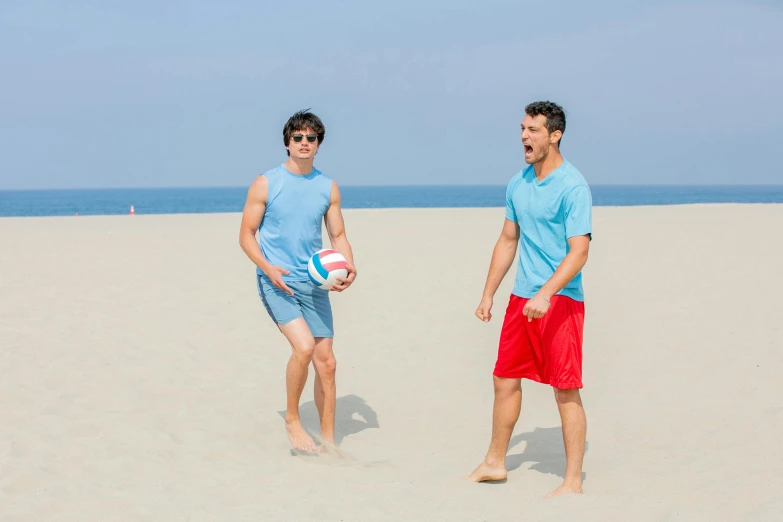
325	266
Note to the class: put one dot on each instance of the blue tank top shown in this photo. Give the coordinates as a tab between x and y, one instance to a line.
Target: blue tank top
290	230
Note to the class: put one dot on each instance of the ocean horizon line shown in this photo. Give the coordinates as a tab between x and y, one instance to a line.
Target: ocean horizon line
427	186
177	200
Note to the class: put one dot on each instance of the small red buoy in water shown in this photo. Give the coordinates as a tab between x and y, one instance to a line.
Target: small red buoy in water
132	211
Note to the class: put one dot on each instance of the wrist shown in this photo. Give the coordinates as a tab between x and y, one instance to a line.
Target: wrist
547	296
264	267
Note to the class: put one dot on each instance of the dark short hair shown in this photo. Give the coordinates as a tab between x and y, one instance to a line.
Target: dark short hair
554	114
301	120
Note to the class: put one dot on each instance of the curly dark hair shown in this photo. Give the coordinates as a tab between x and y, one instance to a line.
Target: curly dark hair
301	120
554	114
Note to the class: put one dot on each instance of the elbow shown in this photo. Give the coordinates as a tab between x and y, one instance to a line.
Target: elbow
507	243
243	239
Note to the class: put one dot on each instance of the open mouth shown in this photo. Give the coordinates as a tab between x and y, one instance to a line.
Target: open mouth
528	150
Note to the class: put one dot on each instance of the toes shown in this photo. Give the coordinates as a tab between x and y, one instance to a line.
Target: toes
306	445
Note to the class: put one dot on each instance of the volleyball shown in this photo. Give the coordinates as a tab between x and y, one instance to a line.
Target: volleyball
325	266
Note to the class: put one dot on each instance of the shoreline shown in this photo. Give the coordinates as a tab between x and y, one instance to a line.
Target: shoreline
409	209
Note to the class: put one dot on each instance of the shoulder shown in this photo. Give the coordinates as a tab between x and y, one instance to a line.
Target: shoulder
265	182
274	172
271	177
259	190
573	178
575	190
517	178
334	192
326	183
323	177
572	185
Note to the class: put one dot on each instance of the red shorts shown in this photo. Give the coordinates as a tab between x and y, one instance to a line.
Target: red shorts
546	350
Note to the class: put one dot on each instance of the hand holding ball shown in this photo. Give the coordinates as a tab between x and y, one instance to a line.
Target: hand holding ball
325	267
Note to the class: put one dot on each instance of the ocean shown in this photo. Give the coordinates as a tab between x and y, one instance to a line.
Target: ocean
231	199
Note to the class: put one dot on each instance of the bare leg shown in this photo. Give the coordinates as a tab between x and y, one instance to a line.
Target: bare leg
508	402
325	389
302	347
572	415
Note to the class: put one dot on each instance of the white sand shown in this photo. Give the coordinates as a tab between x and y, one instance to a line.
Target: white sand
140	378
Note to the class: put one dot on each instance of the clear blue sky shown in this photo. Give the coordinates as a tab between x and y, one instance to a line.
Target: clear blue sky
170	93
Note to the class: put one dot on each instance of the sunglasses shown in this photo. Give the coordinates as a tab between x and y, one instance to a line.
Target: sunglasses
310	137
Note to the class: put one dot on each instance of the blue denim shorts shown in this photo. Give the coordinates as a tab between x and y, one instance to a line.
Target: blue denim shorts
308	302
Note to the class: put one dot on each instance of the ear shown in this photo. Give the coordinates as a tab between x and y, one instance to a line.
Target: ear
554	138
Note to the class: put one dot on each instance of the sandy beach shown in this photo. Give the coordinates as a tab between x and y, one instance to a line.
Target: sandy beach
143	381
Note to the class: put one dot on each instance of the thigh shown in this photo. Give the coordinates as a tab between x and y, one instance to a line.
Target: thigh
281	307
517	355
561	338
299	336
316	308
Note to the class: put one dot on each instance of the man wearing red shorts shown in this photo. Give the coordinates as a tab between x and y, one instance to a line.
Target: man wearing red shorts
549	216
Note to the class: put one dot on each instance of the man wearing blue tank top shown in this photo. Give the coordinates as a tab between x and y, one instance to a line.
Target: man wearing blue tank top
549	221
287	206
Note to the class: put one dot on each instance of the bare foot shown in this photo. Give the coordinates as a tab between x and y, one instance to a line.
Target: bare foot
299	438
487	472
566	489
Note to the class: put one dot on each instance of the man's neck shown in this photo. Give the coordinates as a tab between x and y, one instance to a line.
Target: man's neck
547	165
298	166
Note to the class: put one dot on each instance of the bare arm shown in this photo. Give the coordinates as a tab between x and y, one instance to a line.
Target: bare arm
572	263
252	215
335	227
502	257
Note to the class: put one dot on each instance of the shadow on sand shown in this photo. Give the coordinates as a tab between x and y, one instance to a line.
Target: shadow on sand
544	447
352	415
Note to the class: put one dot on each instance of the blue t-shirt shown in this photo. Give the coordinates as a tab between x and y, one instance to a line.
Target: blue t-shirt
548	212
290	231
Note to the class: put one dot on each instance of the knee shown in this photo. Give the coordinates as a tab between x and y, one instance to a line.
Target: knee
304	351
564	396
506	387
327	365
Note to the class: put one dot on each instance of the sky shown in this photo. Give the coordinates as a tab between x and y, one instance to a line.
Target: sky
171	94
